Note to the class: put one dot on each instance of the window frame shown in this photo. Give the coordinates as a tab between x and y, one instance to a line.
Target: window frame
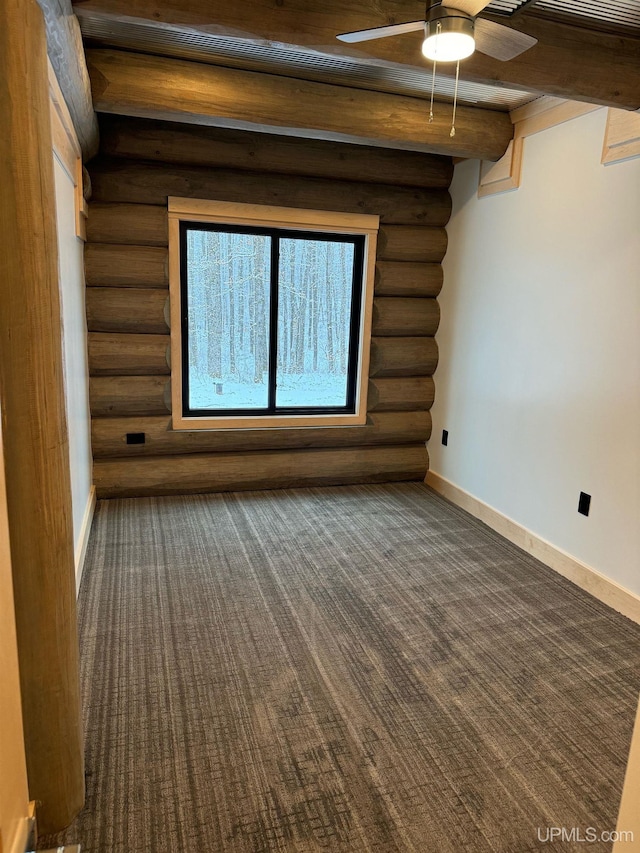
232	215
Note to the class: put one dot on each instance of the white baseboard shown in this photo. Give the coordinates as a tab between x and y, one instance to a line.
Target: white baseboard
83	540
600	586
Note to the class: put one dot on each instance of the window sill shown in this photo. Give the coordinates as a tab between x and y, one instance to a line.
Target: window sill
182	424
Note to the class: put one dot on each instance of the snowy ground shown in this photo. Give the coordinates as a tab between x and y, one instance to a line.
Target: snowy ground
295	390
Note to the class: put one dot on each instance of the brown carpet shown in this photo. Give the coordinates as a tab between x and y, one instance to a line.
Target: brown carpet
364	668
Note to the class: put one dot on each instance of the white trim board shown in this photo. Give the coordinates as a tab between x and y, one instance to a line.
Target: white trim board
534	117
600	586
83	540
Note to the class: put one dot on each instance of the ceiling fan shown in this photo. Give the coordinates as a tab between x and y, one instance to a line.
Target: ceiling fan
453	32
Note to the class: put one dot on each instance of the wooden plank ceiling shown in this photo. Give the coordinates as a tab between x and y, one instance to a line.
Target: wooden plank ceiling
587	51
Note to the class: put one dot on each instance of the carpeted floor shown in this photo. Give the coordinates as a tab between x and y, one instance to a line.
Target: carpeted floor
363	668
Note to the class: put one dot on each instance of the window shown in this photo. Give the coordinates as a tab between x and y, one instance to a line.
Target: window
270	315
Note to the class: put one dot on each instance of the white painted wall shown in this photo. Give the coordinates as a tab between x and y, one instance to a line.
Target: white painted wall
72	290
539	374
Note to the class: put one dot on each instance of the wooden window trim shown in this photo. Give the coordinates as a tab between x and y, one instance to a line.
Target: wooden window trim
232	213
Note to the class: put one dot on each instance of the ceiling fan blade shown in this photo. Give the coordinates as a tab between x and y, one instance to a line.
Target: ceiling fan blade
381	32
471	7
500	42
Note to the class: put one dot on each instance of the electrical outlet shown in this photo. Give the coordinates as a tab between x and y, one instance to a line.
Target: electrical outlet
136	438
445	437
584	502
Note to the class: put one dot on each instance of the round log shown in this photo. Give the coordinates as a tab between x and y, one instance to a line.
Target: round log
109	436
403	356
218	147
400	394
222	472
130	224
125	266
400	278
171	89
411	243
399	316
122	396
126	309
152	183
128	355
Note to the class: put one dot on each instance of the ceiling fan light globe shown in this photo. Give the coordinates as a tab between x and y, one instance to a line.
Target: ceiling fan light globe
448	35
448	47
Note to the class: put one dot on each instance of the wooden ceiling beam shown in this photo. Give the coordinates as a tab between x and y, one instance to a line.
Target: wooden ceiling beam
568	61
301	22
176	90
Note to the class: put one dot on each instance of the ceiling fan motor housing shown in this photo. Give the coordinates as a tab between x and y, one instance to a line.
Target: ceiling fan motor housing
450	20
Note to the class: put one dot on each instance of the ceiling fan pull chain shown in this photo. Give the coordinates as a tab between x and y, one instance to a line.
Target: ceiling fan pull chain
433	88
433	79
455	101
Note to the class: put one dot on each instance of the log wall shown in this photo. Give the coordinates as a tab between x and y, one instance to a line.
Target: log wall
144	162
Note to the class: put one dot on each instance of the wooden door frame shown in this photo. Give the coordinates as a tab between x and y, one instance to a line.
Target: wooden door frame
36	452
